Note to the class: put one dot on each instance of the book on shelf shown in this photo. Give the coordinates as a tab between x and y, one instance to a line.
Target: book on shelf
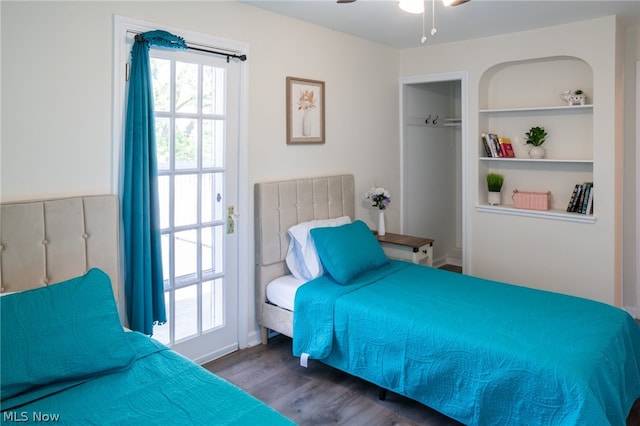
574	196
485	144
588	199
581	200
495	144
497	147
490	147
506	147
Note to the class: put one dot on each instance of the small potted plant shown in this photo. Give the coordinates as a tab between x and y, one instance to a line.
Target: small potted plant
494	186
536	137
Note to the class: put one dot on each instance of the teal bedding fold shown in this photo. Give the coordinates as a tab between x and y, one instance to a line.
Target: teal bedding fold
64	332
160	388
67	360
479	351
313	322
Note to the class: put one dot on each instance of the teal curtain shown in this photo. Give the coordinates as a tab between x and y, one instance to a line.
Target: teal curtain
144	283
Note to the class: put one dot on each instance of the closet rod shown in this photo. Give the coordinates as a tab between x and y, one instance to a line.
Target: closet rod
139	37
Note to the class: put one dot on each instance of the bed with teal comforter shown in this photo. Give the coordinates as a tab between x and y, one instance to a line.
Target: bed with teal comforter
479	351
67	360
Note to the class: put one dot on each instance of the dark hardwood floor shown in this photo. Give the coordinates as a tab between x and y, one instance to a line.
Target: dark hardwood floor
319	394
452	268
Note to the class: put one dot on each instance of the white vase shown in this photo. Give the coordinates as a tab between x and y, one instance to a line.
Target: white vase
494	198
536	152
306	123
381	230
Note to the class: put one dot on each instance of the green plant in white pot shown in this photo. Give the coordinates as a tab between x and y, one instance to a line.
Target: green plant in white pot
494	186
536	136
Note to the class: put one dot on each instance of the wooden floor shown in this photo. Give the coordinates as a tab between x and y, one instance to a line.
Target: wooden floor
452	268
319	394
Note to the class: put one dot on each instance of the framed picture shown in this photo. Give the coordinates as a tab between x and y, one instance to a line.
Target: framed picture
305	111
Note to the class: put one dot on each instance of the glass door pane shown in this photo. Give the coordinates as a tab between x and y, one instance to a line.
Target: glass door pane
196	137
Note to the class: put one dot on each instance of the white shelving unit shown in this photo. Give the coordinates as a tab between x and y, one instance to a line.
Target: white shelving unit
534	109
548	214
568	160
540	160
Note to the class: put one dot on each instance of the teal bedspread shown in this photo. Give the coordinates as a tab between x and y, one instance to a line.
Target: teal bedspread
479	351
66	359
160	388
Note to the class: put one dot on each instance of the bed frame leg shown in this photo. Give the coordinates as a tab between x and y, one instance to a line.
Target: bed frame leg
264	332
634	414
382	394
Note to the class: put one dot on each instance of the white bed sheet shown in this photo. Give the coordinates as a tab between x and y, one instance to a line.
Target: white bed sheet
282	291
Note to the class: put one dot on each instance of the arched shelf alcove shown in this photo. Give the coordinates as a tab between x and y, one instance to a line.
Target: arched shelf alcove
516	96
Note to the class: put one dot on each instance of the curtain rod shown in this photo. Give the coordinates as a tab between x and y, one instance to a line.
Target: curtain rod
139	37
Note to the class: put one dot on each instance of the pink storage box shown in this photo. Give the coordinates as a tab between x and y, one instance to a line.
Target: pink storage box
531	200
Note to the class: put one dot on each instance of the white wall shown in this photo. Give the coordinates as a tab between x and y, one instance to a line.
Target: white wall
57	98
56	132
542	253
631	261
57	93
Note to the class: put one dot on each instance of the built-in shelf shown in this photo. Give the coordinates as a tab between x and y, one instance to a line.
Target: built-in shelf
533	109
541	214
536	160
511	105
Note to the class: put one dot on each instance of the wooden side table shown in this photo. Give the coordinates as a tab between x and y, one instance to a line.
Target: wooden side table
404	247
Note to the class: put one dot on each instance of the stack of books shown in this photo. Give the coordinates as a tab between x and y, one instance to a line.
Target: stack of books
497	147
581	200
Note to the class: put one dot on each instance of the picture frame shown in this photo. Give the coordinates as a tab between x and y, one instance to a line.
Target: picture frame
305	111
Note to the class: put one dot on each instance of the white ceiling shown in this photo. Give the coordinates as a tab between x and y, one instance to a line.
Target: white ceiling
383	22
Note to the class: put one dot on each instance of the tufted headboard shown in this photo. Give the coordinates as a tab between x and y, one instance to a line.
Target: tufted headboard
48	241
280	205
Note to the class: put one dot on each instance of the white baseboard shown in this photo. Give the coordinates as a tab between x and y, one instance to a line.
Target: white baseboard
447	260
254	338
455	261
215	354
439	262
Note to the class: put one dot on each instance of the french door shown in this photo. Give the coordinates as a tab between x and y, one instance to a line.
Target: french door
196	98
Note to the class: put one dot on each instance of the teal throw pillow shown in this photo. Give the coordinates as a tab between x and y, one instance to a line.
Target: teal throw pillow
348	251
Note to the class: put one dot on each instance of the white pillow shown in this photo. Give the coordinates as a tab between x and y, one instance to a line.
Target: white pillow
302	258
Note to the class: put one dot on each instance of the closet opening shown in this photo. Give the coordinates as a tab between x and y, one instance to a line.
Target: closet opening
434	128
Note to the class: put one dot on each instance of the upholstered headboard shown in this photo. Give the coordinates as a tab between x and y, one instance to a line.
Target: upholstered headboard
48	241
280	205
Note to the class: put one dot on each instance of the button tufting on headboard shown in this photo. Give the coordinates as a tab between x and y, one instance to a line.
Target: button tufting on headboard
42	243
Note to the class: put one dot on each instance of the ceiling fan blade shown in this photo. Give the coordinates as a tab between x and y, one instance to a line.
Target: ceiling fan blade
456	2
349	1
